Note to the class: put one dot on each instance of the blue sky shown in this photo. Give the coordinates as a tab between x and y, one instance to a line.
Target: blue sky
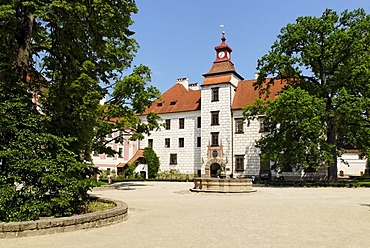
177	38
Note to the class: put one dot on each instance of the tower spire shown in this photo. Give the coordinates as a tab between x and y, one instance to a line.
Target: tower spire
223	50
222	65
223	39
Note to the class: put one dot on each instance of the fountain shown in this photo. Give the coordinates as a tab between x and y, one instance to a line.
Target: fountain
227	185
215	180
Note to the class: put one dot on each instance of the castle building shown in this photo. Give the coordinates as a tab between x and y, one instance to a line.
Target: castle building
125	151
203	132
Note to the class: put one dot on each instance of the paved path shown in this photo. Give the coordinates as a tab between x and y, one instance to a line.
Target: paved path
168	215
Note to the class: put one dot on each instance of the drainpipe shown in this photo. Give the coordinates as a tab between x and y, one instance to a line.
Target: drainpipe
232	133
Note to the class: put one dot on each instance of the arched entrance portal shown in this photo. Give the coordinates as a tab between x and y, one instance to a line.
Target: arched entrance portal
214	168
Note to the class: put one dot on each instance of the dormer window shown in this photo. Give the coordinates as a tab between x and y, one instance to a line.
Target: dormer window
173	103
159	104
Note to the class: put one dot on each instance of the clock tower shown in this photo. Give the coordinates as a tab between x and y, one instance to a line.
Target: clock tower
223	51
217	94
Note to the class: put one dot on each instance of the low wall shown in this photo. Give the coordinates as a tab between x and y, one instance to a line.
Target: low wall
66	224
223	185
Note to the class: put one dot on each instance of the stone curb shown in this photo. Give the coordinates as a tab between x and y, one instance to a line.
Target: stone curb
223	192
66	224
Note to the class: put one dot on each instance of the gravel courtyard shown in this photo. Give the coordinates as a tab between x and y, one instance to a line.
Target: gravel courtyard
165	214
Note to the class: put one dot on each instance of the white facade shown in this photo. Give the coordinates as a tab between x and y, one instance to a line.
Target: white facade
351	164
193	157
125	152
187	153
223	128
244	144
221	144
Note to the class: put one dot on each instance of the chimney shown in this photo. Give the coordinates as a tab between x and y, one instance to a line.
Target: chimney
184	82
193	86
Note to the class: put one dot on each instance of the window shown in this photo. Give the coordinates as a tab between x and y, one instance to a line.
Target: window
168	124
159	104
199	123
110	155
239	162
199	142
150	143
167	142
173	103
239	126
214	117
181	142
109	135
263	127
173	158
215	94
95	154
120	150
181	123
214	139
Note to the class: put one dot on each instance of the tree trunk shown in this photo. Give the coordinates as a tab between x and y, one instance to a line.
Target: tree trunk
332	140
24	41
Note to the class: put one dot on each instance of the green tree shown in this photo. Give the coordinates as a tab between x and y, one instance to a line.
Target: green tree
324	56
68	55
152	161
295	123
130	96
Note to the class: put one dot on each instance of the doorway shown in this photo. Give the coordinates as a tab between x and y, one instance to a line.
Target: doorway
214	168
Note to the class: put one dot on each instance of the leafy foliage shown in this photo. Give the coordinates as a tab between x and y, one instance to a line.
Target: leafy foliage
58	59
129	170
152	161
328	57
295	123
129	97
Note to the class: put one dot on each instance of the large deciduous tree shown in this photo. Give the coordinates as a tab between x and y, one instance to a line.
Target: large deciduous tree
58	59
328	57
295	125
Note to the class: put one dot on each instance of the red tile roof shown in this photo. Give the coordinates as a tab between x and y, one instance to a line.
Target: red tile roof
353	151
223	45
221	67
217	80
246	94
121	165
179	99
139	154
176	99
220	72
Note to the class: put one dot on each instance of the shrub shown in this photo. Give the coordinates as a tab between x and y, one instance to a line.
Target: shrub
363	184
172	175
152	161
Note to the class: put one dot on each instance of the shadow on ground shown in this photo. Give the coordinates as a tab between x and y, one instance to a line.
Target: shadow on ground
129	186
364	205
